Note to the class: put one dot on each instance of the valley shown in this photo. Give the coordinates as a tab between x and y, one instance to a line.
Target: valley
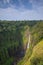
21	42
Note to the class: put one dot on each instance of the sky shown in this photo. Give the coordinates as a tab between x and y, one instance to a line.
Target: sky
21	9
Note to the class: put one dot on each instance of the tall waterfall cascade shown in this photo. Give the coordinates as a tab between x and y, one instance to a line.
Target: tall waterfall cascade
28	41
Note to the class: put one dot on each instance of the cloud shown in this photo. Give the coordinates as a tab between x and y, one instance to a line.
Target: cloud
36	3
6	1
14	14
19	4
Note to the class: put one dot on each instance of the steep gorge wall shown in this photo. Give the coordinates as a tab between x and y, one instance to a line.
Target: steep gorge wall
13	42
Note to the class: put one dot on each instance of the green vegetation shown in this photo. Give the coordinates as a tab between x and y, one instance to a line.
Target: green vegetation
36	46
37	55
14	39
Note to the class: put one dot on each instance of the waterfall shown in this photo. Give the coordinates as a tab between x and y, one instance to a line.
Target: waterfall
28	41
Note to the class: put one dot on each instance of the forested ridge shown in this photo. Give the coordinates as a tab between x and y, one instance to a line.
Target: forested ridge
14	40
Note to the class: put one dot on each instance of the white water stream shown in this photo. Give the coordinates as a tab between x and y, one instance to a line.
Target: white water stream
28	41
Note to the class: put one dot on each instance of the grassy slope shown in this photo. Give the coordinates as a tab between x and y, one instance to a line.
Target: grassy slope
36	57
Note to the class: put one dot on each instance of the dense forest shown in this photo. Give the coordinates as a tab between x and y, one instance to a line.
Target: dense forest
16	47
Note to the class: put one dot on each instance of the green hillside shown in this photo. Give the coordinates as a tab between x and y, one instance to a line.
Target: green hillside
37	55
